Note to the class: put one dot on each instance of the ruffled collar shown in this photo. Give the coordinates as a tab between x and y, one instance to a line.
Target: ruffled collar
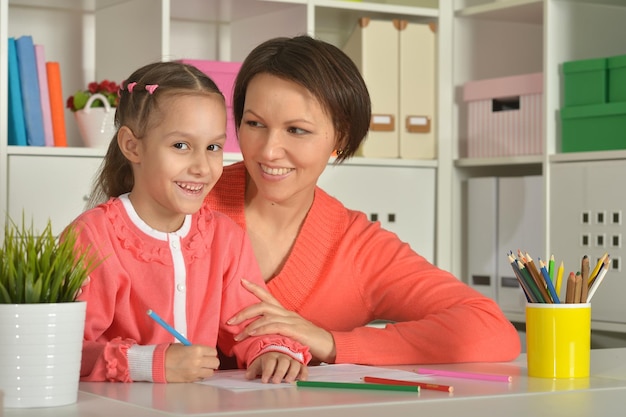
149	245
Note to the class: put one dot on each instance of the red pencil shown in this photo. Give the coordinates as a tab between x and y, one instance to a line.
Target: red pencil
423	385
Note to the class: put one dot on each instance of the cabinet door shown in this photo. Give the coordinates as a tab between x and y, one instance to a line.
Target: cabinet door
587	205
49	187
401	198
520	226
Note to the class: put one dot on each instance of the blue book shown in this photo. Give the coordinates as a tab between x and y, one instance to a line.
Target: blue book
17	127
29	83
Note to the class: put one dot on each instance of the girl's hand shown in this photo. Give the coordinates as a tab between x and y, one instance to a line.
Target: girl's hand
273	318
190	363
275	366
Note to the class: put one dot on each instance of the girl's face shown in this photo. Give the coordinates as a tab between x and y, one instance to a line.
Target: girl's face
286	139
178	161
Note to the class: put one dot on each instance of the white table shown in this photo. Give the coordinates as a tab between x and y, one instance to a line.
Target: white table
603	394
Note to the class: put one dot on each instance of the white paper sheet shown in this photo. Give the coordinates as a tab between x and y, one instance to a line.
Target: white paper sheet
235	380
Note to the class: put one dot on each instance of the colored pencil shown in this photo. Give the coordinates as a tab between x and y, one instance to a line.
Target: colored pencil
182	339
584	269
423	385
549	285
584	285
551	268
605	264
530	297
569	289
578	287
356	385
596	284
531	282
559	278
539	280
596	269
467	375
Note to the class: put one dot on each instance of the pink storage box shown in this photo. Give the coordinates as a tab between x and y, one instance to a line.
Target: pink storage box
505	116
224	74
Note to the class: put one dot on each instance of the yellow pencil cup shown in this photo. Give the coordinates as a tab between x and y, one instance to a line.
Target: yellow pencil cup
558	340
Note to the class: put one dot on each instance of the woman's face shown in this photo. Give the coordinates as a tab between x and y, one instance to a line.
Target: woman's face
286	139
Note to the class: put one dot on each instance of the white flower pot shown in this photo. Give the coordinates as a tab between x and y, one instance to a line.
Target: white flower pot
96	124
41	347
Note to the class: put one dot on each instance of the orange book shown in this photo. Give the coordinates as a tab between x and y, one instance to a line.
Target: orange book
57	105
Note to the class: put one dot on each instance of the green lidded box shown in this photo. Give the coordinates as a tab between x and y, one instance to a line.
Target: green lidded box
617	78
599	127
585	82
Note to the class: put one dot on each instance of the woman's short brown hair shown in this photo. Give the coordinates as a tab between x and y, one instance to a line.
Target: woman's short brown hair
324	70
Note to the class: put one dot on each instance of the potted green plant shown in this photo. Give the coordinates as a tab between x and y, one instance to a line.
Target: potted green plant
41	323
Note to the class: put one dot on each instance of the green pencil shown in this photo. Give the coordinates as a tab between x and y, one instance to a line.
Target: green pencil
356	385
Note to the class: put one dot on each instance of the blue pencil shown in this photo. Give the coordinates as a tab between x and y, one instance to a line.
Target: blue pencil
182	339
549	284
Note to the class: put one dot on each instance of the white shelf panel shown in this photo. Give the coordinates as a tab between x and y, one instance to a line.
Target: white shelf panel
56	151
384	9
390	162
588	156
522	11
503	161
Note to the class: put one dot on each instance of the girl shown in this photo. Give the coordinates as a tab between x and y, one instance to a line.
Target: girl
162	251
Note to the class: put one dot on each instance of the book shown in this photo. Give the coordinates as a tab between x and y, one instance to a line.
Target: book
29	86
42	76
57	105
17	127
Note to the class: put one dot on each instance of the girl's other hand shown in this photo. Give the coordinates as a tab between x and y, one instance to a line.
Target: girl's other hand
274	367
273	318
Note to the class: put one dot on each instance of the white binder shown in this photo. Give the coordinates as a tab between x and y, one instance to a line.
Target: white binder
482	212
373	46
520	226
416	124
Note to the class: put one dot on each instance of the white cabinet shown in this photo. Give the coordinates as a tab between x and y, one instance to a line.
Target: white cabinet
108	39
587	212
43	187
401	198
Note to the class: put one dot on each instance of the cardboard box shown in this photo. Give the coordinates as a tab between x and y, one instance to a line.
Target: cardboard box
617	78
585	82
505	116
223	74
593	128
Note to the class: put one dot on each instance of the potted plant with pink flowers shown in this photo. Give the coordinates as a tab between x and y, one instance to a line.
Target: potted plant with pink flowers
94	112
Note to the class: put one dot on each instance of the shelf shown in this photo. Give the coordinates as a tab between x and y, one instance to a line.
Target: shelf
84	5
226	12
229	157
588	156
56	151
375	10
494	162
335	20
521	11
361	161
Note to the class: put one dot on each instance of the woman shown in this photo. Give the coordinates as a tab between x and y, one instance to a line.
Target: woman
329	269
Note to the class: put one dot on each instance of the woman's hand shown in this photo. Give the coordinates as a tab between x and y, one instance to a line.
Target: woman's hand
273	318
276	366
190	363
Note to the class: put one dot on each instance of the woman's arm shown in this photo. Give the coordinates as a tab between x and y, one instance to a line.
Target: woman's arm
273	318
435	317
